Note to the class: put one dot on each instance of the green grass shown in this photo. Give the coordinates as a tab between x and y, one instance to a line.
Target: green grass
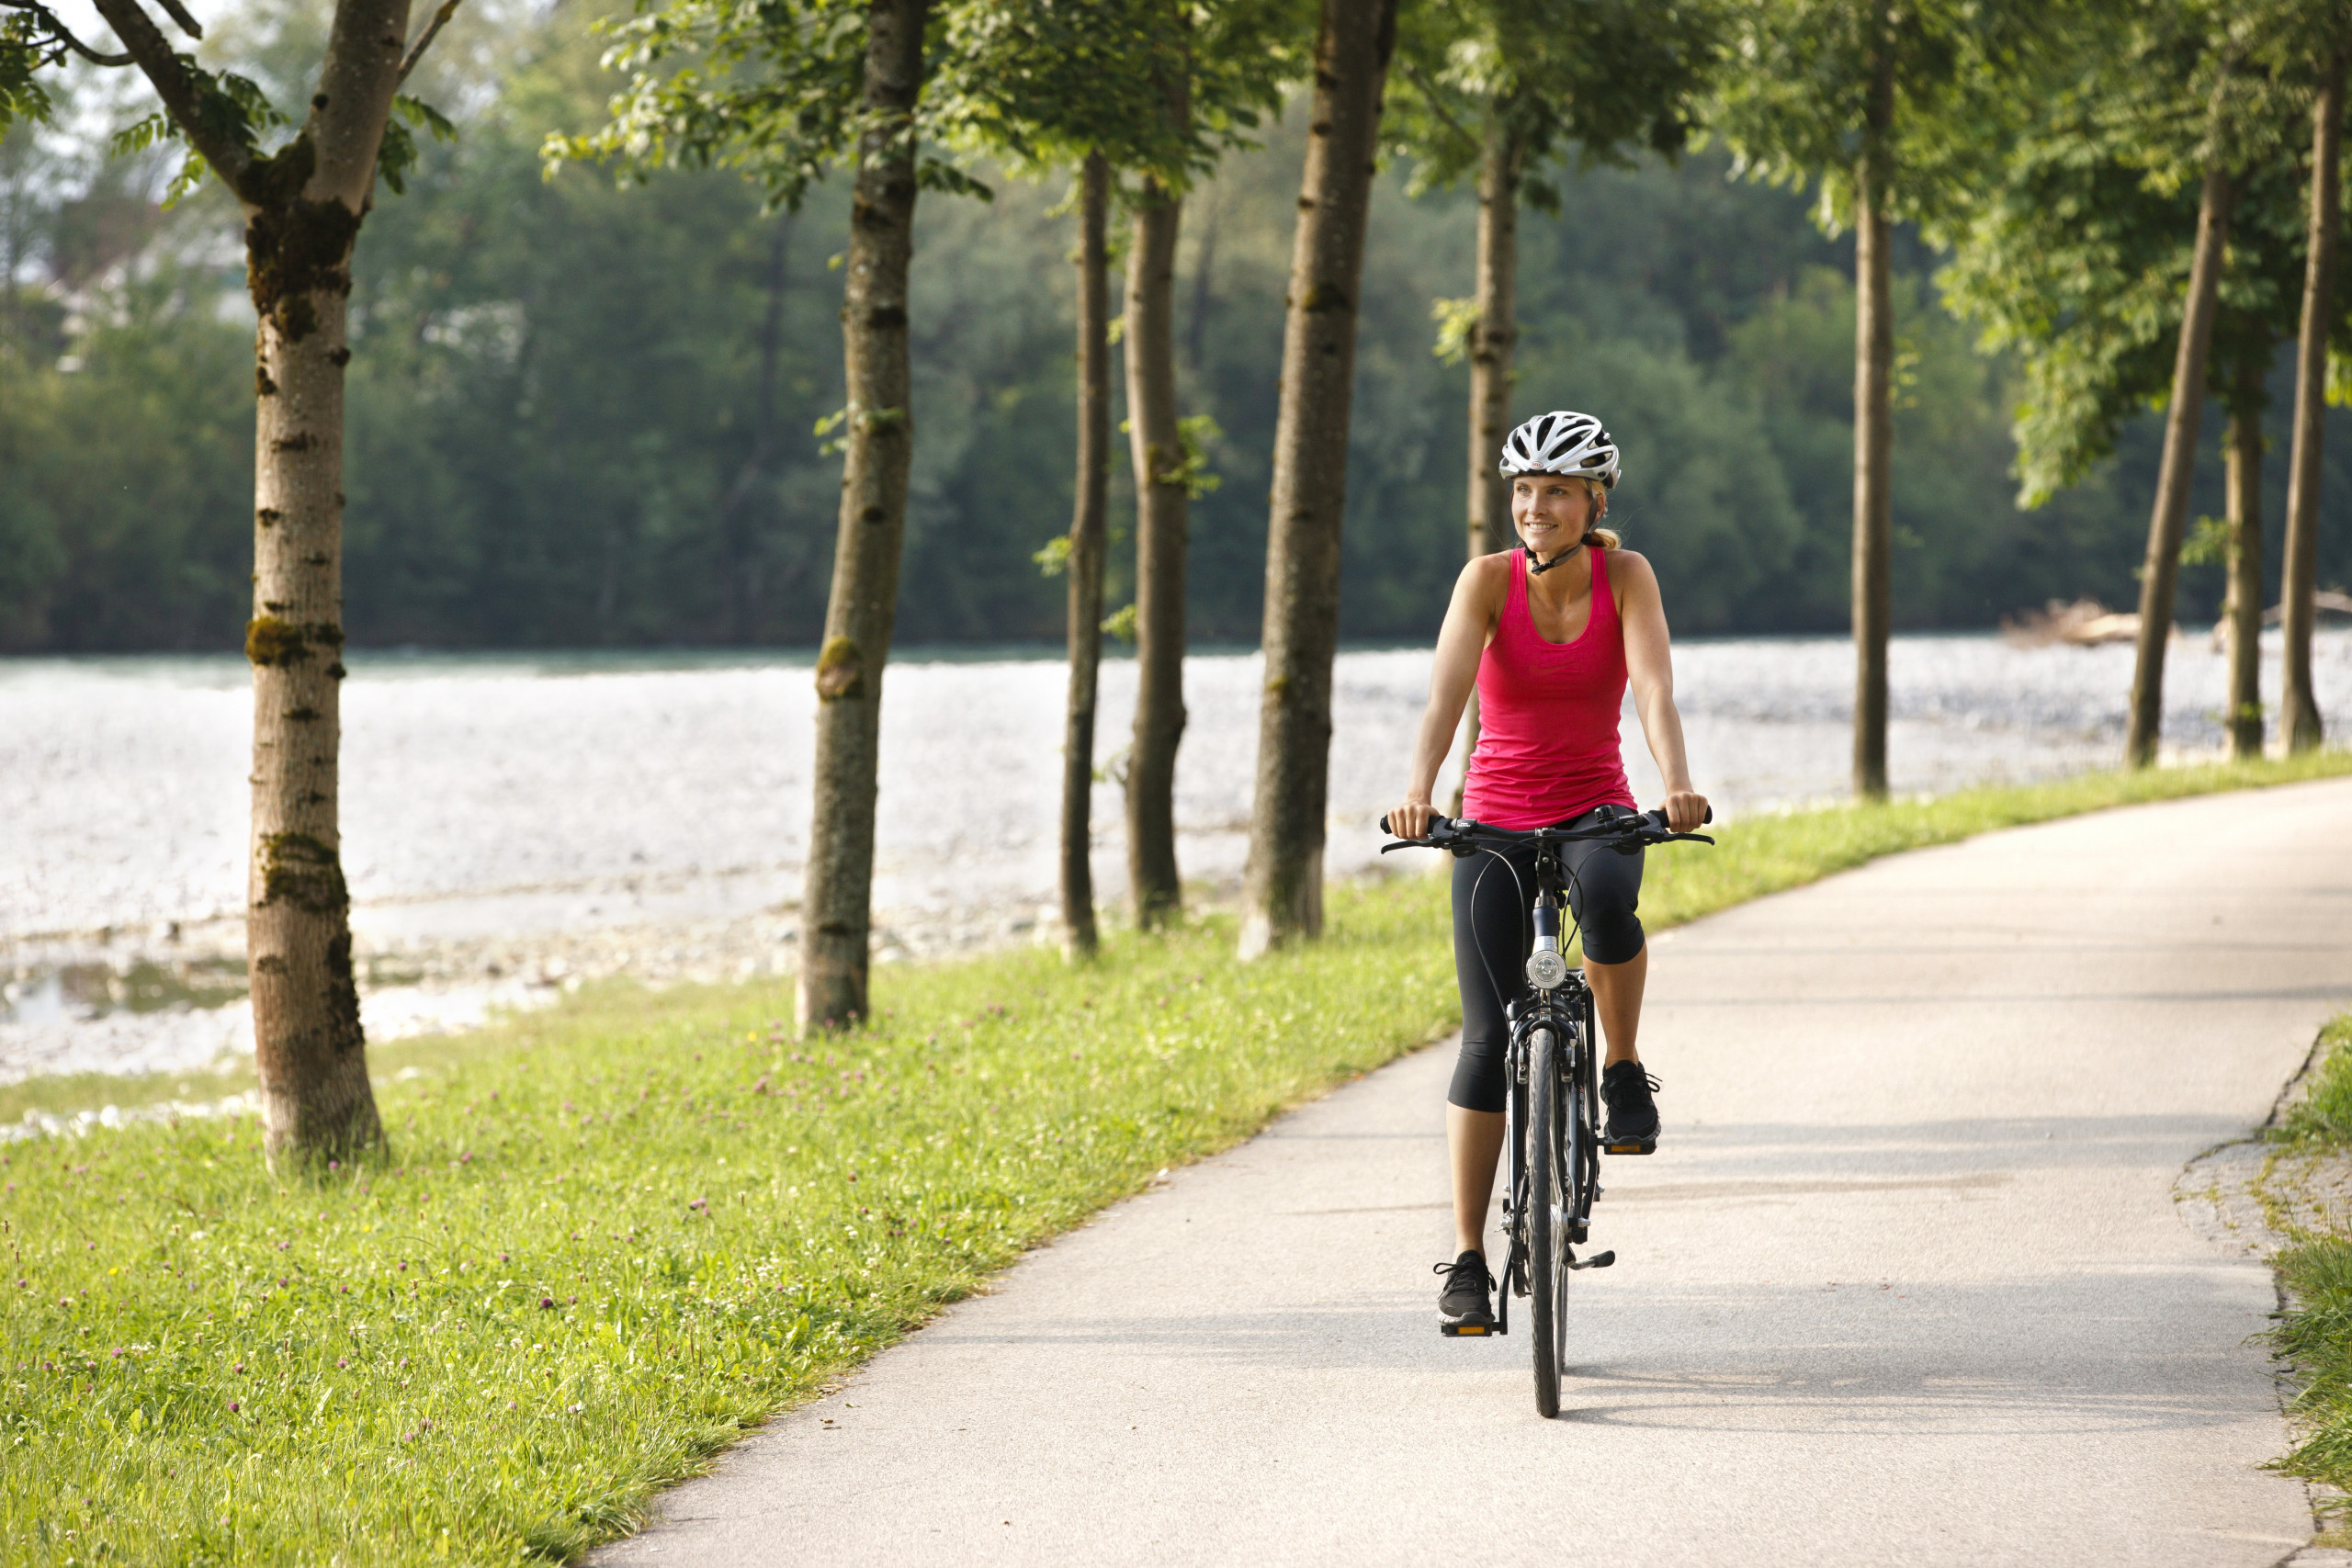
2314	1332
616	1233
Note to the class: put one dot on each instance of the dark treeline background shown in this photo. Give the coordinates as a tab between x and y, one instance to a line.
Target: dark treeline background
583	416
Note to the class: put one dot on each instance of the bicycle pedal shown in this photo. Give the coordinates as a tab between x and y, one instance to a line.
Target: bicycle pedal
1598	1260
1632	1146
1467	1330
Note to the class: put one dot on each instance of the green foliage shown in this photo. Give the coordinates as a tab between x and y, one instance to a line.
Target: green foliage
396	154
1801	110
1456	320
2077	256
1601	81
1053	557
559	391
1158	87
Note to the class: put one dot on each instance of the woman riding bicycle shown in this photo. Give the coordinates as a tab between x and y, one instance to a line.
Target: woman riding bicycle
1553	634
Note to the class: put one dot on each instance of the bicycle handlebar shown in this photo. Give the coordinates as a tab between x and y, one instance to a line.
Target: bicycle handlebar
1644	828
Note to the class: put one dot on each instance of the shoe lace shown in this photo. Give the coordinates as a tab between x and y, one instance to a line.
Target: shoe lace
1616	1083
1464	1271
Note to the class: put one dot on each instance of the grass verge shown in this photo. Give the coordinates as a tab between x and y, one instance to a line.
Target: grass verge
616	1233
2314	1331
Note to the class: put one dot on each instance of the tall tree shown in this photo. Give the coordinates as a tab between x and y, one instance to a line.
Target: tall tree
2159	575
2320	314
1229	64
2129	265
1494	90
1891	109
1163	501
1088	538
1283	880
1108	83
785	92
2242	609
303	202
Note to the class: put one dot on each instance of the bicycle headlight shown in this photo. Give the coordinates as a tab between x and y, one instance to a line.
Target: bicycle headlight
1545	968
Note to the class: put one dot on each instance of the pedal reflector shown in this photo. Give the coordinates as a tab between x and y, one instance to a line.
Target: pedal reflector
1631	1148
1459	1329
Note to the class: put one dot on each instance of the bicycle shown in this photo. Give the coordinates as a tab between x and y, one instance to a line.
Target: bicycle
1552	1067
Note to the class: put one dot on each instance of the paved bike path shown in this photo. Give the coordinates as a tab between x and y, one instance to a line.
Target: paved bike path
1904	1284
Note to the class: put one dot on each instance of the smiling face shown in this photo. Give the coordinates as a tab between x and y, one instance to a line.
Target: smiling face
1553	511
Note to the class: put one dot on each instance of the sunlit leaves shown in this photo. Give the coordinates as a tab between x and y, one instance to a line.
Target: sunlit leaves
773	89
1601	79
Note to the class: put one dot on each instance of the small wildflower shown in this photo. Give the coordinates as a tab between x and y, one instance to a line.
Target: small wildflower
547	1301
341	1362
232	1407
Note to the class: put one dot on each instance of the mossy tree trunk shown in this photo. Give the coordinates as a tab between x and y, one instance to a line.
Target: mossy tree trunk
2243	611
1086	551
1163	504
1873	425
302	208
1283	882
1487	510
2160	576
836	909
2298	721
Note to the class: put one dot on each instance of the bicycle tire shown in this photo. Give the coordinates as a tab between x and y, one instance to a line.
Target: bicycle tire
1547	1216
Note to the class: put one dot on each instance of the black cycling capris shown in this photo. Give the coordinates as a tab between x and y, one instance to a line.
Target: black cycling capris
1493	929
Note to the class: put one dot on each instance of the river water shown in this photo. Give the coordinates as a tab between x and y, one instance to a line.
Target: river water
513	825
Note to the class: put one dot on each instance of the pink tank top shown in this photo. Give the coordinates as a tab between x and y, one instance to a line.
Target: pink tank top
1548	747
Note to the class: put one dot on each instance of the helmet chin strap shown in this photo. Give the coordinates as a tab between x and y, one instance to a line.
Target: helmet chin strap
1537	567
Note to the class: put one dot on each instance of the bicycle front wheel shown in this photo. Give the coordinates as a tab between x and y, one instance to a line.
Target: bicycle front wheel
1548	1215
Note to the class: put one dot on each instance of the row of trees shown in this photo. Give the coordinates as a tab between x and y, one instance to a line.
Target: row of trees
1893	112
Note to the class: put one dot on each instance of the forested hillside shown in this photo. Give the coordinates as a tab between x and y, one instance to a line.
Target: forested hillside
581	415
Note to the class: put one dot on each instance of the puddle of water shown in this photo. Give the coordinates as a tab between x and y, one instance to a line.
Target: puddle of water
79	992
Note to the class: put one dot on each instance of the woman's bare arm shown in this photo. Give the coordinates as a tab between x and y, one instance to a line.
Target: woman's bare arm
1469	620
1649	671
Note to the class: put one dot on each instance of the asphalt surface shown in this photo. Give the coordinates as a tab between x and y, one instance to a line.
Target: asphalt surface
1905	1283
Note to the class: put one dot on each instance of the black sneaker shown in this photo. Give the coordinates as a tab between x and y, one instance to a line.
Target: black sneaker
1632	1115
1463	1307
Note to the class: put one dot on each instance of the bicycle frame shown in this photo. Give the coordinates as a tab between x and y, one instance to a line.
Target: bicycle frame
1566	1010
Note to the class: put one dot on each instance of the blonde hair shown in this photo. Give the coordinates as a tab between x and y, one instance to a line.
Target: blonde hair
1594	533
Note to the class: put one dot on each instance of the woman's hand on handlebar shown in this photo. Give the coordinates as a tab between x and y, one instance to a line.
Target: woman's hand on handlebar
1410	820
1686	811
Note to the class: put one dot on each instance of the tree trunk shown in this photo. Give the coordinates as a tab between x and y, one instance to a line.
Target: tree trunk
836	911
2161	575
1492	338
1873	434
1086	549
2243	611
1282	884
2298	704
309	1049
302	208
1162	504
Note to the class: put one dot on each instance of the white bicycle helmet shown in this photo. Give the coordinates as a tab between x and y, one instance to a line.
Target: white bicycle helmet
1563	442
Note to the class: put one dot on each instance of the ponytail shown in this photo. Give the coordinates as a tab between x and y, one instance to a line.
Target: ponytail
1607	538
